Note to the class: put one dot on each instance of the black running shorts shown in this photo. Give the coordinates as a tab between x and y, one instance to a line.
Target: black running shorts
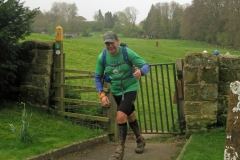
126	105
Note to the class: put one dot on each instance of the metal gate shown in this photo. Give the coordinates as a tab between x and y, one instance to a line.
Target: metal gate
157	106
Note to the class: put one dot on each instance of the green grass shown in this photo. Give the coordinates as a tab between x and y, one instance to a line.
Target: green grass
54	132
81	54
206	145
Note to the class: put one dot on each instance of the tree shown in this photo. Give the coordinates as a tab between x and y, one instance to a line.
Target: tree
131	14
99	21
230	16
109	23
176	12
121	22
15	24
64	10
163	20
189	28
151	25
63	14
98	16
40	23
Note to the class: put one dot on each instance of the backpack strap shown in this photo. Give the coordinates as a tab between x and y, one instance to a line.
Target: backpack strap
126	60
125	56
104	58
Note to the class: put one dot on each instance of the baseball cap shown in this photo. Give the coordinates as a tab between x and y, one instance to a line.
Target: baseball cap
109	36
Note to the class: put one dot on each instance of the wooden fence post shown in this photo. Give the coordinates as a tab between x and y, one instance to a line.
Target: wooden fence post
112	115
180	94
232	140
59	63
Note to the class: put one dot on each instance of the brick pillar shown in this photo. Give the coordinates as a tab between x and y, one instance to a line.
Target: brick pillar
200	74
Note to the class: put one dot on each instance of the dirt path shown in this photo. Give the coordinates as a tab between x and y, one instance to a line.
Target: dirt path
153	151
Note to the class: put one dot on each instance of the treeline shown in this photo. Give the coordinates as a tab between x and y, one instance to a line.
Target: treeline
65	14
212	21
215	22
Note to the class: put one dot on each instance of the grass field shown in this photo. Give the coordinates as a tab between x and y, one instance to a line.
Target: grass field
206	145
81	54
48	132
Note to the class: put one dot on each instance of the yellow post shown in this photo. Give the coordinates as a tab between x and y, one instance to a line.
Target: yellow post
59	63
59	40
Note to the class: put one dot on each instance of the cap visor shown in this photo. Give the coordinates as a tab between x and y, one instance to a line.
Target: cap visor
109	40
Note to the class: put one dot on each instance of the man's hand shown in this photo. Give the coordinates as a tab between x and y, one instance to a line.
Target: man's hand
105	101
137	72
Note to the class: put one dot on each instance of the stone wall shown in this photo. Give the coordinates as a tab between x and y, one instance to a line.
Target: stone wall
206	88
36	81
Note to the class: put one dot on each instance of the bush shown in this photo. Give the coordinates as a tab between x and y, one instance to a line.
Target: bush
15	24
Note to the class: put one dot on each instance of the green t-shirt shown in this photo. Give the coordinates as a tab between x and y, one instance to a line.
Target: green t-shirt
121	71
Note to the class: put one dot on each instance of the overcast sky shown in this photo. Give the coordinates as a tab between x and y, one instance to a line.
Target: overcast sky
87	8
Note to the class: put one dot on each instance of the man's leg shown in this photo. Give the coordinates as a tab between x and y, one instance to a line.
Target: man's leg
135	128
122	134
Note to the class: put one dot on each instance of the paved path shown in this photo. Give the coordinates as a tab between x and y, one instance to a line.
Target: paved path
152	151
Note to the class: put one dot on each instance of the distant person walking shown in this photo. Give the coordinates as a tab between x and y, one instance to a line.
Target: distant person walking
157	43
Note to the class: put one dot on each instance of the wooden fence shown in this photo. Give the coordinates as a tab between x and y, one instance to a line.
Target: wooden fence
109	118
61	89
